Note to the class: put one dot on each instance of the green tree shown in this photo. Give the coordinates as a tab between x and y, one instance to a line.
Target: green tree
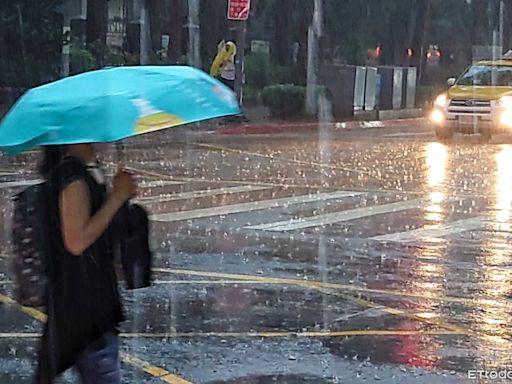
30	42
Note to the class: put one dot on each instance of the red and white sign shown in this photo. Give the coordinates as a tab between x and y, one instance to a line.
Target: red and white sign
238	9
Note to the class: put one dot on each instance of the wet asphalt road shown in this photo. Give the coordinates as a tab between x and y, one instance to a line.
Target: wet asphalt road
368	256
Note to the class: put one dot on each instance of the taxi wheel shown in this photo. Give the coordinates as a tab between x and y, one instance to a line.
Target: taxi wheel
444	133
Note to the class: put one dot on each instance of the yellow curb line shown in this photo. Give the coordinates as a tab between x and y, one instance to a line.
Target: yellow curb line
154	371
320	334
413	316
325	285
330	288
32	312
283	160
157	372
365	332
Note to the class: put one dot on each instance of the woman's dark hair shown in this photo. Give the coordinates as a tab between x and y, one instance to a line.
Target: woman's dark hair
52	155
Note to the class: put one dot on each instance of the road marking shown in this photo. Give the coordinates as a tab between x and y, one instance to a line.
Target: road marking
199	194
28	183
338	217
408	134
154	371
441	231
274	334
158	183
414	316
281	159
208	282
32	312
357	332
160	373
250	206
19	335
185	282
332	288
146	173
20	183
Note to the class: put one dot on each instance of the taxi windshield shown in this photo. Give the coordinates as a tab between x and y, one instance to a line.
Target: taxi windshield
487	75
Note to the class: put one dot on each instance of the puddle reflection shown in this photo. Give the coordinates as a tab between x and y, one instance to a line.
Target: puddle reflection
436	158
495	275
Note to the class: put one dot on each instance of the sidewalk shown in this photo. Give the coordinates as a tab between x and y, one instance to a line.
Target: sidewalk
271	128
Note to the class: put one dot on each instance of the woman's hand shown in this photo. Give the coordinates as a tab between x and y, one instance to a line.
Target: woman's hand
124	186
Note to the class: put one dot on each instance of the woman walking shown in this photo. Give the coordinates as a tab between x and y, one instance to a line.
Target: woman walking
83	305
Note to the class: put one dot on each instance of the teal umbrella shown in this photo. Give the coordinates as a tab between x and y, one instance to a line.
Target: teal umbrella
112	104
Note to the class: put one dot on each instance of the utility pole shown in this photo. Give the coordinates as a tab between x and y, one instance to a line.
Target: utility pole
66	46
194	35
501	26
314	34
238	12
144	33
240	32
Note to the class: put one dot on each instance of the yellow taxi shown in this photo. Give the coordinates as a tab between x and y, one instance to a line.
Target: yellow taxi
478	102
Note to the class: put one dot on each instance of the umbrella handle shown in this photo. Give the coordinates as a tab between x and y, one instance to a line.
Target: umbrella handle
120	155
120	163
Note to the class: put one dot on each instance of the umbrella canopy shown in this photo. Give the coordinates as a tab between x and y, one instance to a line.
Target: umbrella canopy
112	104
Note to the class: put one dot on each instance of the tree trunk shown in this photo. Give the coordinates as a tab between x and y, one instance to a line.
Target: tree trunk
304	21
97	18
132	40
175	32
157	15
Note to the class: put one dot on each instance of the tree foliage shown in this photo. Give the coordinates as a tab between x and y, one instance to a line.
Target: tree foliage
30	42
30	33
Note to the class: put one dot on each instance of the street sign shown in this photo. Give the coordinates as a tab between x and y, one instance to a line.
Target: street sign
260	46
239	9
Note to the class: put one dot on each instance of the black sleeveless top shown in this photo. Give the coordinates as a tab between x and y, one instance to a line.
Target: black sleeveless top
83	297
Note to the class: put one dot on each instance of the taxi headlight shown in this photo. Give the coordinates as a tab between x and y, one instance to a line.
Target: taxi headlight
437	116
505	102
506	119
441	101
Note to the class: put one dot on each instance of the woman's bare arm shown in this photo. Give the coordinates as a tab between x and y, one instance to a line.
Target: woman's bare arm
79	229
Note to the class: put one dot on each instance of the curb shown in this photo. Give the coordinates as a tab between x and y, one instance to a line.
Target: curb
273	128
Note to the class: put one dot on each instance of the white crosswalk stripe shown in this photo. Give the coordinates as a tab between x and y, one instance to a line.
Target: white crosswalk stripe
338	217
20	183
447	229
28	183
158	183
251	206
201	193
